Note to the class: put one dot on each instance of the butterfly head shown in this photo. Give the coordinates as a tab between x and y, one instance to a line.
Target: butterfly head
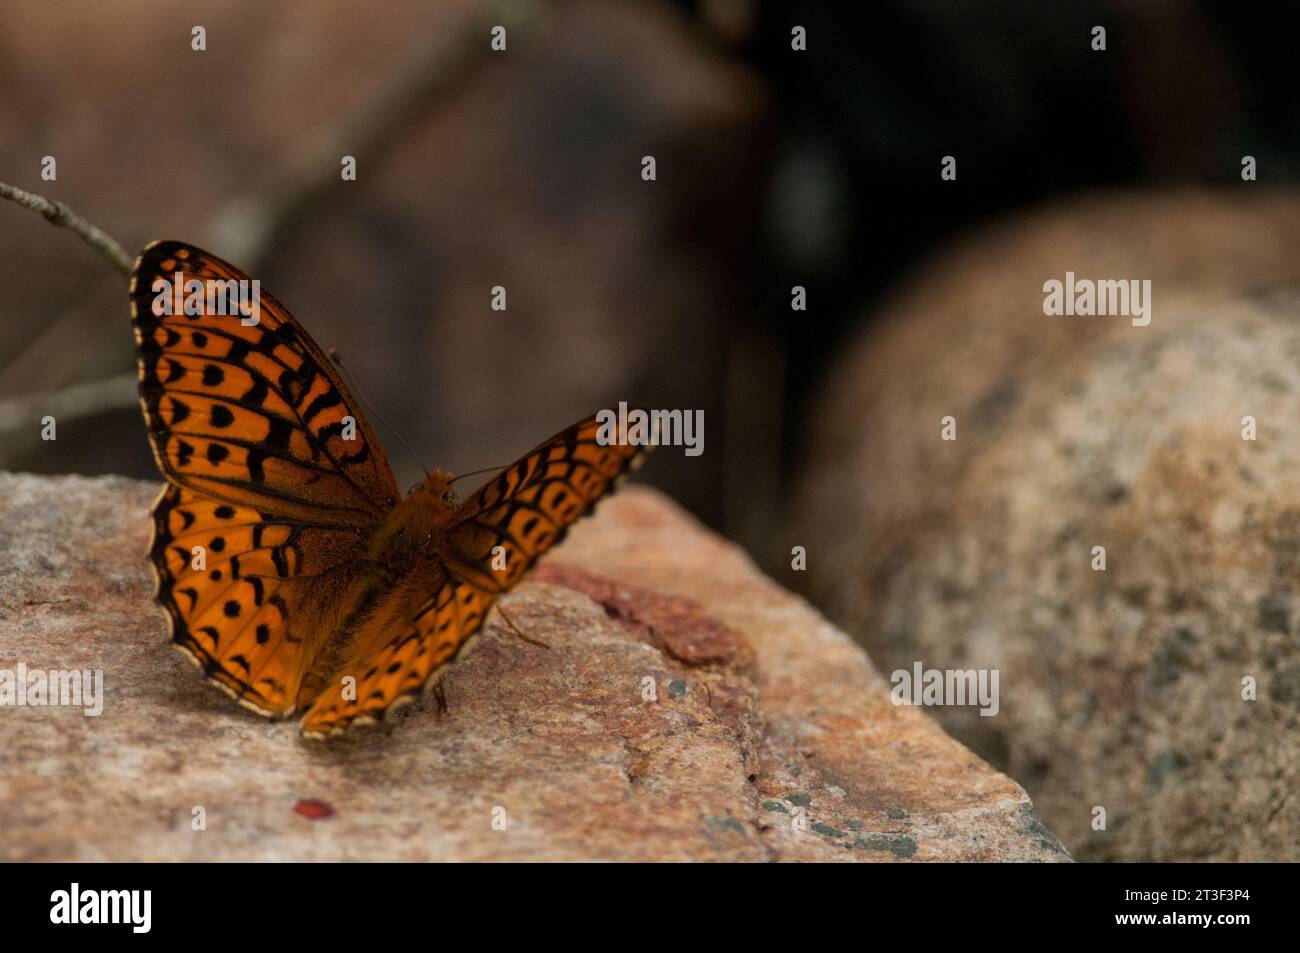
438	485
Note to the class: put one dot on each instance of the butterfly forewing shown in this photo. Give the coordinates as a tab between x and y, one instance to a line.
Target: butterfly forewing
255	413
497	534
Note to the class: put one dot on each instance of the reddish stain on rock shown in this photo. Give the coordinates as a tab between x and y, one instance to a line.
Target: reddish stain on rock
675	626
313	809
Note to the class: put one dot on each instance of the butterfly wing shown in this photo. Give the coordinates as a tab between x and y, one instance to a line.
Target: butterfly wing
400	658
528	507
249	597
525	510
269	501
250	414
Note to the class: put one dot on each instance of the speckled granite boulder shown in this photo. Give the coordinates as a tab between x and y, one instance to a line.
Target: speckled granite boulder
1122	689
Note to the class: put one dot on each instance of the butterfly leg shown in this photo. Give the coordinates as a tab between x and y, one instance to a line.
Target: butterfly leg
440	696
516	631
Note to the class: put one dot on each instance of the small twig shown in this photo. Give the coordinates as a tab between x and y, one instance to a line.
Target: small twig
56	213
21	415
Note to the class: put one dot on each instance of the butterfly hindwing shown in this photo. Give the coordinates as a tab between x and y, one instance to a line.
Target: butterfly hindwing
402	660
254	413
249	597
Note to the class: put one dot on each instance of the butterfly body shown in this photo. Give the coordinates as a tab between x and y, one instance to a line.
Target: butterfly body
409	537
400	562
292	572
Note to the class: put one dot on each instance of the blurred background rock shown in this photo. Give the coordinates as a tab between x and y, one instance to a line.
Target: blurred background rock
775	168
1120	689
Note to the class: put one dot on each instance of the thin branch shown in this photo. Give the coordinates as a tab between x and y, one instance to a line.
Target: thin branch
56	213
21	415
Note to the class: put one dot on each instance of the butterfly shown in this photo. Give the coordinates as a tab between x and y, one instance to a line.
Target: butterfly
292	571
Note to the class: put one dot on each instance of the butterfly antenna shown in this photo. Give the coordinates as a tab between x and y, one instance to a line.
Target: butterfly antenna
477	472
352	383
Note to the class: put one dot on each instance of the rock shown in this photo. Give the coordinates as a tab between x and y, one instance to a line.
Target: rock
1122	688
763	713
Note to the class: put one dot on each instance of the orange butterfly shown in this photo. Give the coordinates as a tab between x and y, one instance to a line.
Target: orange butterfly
293	572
